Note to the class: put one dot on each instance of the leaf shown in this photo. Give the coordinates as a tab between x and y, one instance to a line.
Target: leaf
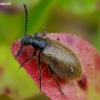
84	88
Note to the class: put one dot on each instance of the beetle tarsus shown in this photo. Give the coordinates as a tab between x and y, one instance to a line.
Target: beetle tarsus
34	54
19	52
39	64
55	79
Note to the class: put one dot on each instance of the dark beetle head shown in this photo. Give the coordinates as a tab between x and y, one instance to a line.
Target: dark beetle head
26	40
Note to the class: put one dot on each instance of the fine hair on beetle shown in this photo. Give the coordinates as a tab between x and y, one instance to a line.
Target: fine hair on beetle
62	62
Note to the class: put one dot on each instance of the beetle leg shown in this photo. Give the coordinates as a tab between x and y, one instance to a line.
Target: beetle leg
55	78
35	34
44	33
39	63
19	52
28	59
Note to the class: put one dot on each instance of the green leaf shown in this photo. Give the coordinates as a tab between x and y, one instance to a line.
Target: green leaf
38	15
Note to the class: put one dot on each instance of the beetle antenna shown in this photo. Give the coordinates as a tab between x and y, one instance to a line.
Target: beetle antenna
26	20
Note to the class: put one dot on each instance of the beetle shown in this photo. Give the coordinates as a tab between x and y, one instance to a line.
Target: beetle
62	61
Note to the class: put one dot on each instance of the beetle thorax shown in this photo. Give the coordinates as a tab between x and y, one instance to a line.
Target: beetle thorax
37	42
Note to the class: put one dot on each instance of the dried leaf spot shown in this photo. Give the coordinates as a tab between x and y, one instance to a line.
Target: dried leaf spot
7	90
70	39
83	83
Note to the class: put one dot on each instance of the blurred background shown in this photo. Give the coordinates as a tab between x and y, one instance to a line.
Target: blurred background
79	17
